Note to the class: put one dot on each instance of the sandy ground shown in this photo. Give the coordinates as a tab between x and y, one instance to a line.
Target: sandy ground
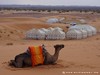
78	55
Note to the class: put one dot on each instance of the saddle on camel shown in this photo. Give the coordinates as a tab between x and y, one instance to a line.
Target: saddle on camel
36	55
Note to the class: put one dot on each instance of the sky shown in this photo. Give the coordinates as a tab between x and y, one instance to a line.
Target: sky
52	2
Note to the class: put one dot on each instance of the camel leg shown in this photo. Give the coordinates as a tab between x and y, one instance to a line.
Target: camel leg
11	63
16	64
54	63
19	64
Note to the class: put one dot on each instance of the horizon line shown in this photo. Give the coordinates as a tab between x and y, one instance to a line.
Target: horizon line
51	5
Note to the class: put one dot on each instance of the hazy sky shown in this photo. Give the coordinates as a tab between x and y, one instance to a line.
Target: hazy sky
53	2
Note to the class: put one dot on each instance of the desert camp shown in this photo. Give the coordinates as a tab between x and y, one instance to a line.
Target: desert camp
49	40
74	32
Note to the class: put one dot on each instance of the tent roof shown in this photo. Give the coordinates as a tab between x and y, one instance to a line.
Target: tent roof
74	31
52	20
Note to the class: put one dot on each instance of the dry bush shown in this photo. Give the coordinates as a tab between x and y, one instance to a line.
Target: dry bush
9	44
11	32
8	35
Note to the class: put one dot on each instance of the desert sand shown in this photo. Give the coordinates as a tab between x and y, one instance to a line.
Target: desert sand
79	57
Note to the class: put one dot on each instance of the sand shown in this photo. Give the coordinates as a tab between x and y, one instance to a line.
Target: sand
79	57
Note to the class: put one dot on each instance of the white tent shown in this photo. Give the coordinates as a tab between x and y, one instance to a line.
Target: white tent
84	32
45	30
50	28
59	34
83	21
94	31
56	34
35	34
90	30
61	19
74	34
58	28
29	34
40	34
52	20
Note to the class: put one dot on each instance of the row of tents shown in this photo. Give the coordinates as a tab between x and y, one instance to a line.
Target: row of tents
80	32
74	32
62	20
50	33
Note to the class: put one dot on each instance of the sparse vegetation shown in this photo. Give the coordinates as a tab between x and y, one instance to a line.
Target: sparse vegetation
51	8
8	35
11	32
4	32
0	31
9	43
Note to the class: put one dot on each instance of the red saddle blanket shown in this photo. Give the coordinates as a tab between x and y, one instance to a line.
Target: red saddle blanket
36	55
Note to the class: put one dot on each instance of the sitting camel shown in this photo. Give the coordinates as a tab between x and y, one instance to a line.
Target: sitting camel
24	59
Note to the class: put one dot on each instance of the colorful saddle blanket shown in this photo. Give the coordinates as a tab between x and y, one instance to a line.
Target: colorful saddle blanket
36	55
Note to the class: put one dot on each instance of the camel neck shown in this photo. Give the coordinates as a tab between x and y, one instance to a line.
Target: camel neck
56	54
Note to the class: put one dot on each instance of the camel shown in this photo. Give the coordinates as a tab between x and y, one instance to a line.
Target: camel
24	59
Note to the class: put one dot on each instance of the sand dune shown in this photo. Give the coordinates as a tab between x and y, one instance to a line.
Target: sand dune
77	56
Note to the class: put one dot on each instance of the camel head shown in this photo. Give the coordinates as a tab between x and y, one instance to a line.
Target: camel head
58	47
